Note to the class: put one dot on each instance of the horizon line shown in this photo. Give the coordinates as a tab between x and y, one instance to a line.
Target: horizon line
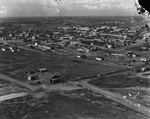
72	16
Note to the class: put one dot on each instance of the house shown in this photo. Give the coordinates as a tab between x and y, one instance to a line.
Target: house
143	48
82	56
43	70
143	59
137	70
46	76
75	43
66	38
142	69
109	46
9	49
130	54
55	79
32	77
117	54
43	75
80	50
5	49
100	58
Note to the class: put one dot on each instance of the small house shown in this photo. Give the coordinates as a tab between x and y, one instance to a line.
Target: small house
142	59
100	58
82	56
33	77
55	80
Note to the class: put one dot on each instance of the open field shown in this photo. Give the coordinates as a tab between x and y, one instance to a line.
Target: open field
16	64
121	81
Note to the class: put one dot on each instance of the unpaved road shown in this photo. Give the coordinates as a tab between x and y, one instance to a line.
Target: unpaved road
35	89
11	96
20	83
133	104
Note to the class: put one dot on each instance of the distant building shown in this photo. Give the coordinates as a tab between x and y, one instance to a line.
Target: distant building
142	69
66	38
100	58
109	46
55	80
43	75
82	56
143	59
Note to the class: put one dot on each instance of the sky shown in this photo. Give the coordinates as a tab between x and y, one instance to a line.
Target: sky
23	8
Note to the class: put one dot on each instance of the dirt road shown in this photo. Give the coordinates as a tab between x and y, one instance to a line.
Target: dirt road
35	89
20	83
133	104
11	96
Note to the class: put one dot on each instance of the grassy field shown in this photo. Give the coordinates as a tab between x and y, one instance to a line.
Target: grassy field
17	63
120	81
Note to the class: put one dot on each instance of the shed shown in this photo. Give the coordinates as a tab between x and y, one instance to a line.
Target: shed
100	58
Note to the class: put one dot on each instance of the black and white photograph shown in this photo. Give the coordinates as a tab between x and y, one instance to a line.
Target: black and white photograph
74	59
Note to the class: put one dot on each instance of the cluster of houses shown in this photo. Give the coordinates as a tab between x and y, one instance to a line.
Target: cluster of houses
103	35
43	76
142	69
5	47
27	36
81	39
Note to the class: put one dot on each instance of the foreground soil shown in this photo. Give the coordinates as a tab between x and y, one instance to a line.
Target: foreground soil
79	104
